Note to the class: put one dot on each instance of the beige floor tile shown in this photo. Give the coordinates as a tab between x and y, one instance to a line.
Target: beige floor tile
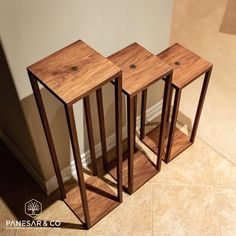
137	233
133	215
223	170
50	232
122	233
190	167
5	214
8	232
226	205
184	210
198	26
36	231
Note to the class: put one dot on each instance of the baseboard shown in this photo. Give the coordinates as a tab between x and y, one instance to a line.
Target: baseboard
85	157
151	114
50	185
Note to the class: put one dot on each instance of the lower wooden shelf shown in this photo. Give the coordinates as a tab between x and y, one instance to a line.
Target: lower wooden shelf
143	170
101	200
180	143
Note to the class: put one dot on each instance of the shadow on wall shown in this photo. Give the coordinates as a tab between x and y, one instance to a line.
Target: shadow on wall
12	120
21	125
108	91
20	122
228	24
58	126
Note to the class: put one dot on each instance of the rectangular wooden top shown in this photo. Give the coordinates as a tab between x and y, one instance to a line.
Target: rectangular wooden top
74	71
140	68
187	65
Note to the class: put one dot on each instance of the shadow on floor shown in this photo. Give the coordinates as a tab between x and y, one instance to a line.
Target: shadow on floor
17	187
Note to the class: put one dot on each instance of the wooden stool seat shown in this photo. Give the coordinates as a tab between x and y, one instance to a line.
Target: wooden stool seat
71	74
187	66
140	69
74	71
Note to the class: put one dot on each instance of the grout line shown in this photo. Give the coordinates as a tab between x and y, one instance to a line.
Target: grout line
217	210
215	199
188	185
210	146
224	187
196	185
223	156
152	205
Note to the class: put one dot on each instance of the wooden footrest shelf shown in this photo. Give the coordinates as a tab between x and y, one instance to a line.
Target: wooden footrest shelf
101	200
180	143
143	170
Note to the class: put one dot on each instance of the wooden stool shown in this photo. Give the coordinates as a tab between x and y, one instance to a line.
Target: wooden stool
72	74
187	67
140	70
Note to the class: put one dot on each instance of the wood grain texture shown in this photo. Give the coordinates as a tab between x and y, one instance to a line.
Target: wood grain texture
101	200
143	170
187	65
140	68
74	71
180	142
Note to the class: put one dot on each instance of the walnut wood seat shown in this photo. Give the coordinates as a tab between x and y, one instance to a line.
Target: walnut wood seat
140	70
71	74
187	67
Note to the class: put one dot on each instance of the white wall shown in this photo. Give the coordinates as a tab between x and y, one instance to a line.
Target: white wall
32	29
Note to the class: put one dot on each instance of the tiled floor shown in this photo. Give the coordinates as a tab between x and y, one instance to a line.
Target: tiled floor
195	194
209	29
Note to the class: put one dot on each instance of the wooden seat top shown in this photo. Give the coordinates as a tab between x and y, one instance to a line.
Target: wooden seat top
140	68
74	71
187	65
